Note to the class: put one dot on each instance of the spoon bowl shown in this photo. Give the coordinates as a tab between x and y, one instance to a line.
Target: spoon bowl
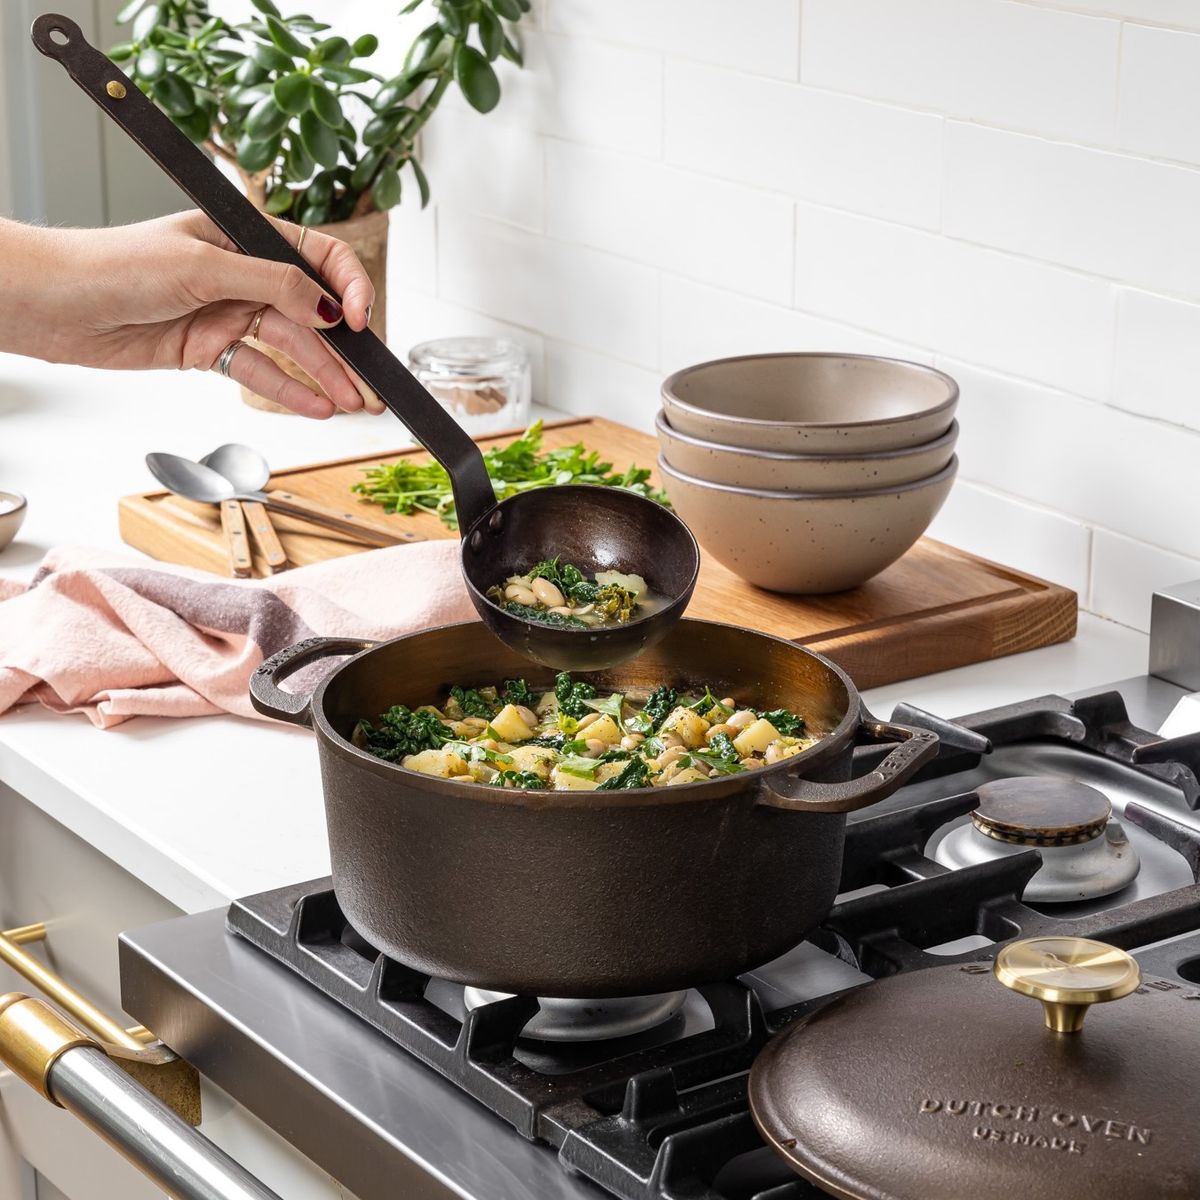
242	465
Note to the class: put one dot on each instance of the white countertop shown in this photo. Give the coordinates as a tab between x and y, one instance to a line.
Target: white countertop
208	809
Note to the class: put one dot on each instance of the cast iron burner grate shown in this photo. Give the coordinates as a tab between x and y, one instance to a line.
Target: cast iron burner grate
668	1120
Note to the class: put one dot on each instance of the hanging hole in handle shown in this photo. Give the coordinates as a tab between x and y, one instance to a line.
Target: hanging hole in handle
60	37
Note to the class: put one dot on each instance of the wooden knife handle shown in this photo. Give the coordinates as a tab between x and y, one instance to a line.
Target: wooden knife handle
233	526
264	535
343	520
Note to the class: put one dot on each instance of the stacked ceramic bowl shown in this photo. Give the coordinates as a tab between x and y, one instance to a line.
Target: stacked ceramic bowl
808	473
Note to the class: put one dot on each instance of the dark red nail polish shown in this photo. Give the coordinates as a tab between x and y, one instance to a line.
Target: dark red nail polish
329	310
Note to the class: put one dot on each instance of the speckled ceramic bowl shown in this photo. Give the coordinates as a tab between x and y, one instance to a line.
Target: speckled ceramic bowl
806	544
780	472
811	403
12	515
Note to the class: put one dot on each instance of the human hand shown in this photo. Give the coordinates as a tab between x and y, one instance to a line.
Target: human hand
174	293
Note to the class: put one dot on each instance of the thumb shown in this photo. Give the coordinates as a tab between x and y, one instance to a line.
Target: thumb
228	275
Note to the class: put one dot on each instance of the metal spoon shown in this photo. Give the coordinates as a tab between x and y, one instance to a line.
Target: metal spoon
602	528
197	482
248	471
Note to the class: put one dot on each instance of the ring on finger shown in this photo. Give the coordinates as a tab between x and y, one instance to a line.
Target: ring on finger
258	316
226	358
300	239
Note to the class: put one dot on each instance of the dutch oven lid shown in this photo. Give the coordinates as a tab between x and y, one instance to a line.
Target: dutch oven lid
951	1082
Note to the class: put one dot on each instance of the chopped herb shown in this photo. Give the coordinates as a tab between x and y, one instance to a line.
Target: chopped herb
489	731
615	603
578	746
615	754
721	756
709	706
571	695
635	774
788	723
610	706
584	768
526	780
546	569
652	747
516	691
639	722
567	723
660	704
542	615
471	752
472	703
401	732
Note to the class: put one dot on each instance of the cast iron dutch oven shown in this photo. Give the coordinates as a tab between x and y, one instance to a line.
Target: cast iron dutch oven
587	894
948	1083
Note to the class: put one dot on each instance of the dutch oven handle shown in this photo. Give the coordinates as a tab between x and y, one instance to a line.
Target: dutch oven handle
916	748
265	693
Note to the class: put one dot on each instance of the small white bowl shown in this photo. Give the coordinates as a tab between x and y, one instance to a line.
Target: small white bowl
12	516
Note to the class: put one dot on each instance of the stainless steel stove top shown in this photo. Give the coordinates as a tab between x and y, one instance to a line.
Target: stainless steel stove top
378	1119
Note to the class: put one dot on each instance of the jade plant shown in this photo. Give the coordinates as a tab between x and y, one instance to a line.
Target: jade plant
314	133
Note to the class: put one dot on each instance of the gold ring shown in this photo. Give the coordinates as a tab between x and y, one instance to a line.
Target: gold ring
300	239
258	316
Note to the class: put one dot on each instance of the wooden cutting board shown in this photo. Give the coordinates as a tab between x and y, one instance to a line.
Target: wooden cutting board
935	609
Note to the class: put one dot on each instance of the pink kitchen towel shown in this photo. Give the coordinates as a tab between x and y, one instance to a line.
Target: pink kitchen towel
116	638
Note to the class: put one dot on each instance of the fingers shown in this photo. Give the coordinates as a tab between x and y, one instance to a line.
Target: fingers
257	372
306	349
340	266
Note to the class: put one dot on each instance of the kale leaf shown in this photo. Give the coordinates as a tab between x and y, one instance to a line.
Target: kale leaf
554	741
574	586
635	774
787	722
529	613
472	703
516	691
658	707
525	780
721	756
571	695
401	732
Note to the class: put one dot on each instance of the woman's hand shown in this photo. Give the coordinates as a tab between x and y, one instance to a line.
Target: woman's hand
174	292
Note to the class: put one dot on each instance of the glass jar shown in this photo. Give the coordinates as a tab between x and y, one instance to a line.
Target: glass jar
483	382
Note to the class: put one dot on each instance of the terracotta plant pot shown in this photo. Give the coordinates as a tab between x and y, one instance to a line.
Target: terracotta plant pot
368	238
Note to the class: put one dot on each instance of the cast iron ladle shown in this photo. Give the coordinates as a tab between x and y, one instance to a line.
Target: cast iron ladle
596	528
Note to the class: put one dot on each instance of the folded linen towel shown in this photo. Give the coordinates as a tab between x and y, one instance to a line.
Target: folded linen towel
114	637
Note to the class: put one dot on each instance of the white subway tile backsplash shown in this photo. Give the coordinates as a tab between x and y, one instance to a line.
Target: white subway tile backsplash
815	145
412	249
1096	211
1126	573
1097	463
1007	64
699	323
963	300
582	381
1008	530
1157	366
764	39
489	168
694	225
1160	82
1181	13
568	292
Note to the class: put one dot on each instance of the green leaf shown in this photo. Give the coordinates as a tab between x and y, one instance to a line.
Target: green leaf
272	58
425	43
341	74
364	172
297	164
279	201
411	6
320	191
511	52
256	156
147	19
366	45
291	92
128	12
265	120
241	100
475	77
386	192
452	21
334	50
251	71
151	64
265	6
509	9
325	104
394	91
285	39
122	52
491	34
198	124
175	94
382	129
319	140
313	214
422	182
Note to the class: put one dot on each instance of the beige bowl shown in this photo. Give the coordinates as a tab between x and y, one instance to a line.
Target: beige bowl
811	403
806	544
778	472
12	516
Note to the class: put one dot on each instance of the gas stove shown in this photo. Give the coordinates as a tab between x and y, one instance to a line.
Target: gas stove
1037	818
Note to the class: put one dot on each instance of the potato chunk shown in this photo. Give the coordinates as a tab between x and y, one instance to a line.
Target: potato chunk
687	775
538	759
755	739
564	781
444	763
605	729
510	725
690	726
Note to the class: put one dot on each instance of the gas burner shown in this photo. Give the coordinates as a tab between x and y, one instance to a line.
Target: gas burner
560	1020
1085	853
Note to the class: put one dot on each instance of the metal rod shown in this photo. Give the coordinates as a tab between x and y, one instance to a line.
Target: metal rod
184	1163
65	996
27	933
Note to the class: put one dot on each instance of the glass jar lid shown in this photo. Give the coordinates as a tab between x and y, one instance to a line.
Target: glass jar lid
468	357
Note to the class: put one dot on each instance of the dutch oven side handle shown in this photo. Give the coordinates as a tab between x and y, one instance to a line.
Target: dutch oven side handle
269	699
916	747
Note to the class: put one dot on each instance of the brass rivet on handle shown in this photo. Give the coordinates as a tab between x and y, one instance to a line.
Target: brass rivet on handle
116	89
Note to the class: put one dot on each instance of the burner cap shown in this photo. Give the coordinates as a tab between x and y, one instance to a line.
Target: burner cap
1034	810
589	1020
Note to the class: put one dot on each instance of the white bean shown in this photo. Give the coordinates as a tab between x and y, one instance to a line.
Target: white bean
670	755
562	611
631	741
548	594
527	715
520	594
595	748
671	740
725	727
741	719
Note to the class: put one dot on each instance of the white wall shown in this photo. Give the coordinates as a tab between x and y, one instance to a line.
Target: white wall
1010	190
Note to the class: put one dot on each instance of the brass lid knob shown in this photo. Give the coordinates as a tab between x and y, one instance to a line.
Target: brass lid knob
1067	974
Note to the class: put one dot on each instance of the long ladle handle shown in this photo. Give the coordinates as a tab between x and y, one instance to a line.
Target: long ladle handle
118	96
